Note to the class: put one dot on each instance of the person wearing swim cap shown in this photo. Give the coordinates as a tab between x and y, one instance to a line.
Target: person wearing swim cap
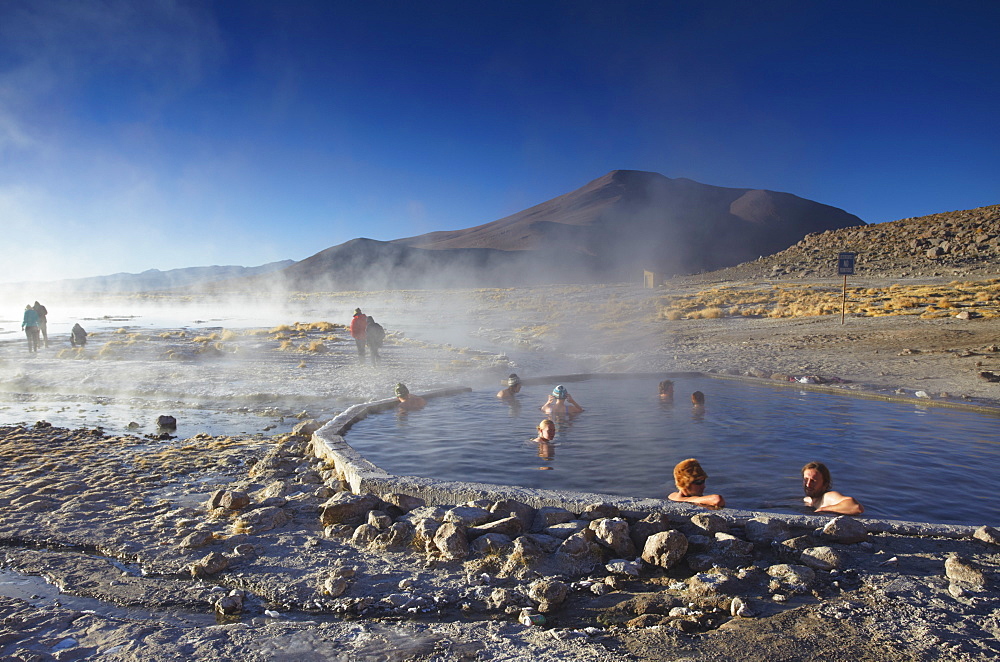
513	387
408	401
561	402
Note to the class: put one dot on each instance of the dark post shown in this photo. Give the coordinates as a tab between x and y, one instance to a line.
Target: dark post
845	266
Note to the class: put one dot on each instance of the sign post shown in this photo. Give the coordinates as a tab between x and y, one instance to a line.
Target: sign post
845	266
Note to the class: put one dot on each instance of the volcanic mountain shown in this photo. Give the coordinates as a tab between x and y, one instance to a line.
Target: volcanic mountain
611	229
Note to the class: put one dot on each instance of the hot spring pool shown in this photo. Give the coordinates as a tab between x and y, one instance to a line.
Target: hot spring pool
925	464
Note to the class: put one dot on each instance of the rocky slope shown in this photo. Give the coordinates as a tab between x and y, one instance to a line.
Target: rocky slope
951	244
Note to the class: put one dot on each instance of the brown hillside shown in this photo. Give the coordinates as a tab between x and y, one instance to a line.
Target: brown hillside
958	243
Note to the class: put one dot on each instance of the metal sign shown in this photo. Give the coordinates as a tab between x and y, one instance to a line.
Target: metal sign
845	264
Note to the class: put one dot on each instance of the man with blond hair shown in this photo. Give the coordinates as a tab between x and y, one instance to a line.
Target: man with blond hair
816	483
690	479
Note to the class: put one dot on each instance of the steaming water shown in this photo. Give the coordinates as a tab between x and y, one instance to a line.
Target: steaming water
900	461
258	389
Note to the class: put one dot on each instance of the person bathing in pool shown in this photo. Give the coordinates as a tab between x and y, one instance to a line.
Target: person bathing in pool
408	401
816	483
561	402
546	431
513	387
690	479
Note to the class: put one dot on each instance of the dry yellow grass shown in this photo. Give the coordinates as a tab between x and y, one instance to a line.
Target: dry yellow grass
980	298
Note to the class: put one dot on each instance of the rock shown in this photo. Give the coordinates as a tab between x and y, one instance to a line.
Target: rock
549	516
345	508
379	520
987	534
548	544
797	578
647	526
306	428
566	529
364	535
597	511
425	528
613	533
548	593
709	524
579	554
489	543
166	422
508	526
215	500
740	608
765	529
512	508
502	598
961	570
404	502
623	567
525	552
845	530
451	542
704	584
399	535
665	549
468	516
212	564
335	586
234	500
199	538
821	558
435	513
260	520
230	604
277	488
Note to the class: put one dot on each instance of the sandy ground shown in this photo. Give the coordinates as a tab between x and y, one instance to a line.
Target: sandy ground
115	520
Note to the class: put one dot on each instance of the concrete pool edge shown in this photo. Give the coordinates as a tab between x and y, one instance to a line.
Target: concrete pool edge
364	477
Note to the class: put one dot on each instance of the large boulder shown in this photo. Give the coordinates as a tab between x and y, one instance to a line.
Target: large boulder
665	549
347	508
579	554
451	542
845	530
549	516
512	508
613	533
647	526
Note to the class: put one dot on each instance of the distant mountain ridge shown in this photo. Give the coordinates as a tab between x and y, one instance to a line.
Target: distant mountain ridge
611	229
153	280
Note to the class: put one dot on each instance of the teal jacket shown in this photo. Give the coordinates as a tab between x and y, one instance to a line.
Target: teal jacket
30	318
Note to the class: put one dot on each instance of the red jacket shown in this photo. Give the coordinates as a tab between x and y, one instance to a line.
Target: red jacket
359	323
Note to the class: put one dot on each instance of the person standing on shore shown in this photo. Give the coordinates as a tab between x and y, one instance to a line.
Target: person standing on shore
816	483
359	326
30	326
374	337
43	325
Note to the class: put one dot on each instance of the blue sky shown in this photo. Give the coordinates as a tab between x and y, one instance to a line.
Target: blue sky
165	134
